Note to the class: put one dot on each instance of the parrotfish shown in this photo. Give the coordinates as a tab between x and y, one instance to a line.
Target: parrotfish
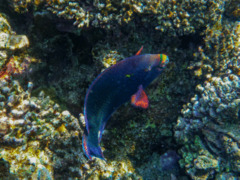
125	80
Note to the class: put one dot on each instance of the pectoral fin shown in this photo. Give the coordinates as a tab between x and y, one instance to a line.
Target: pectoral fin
140	99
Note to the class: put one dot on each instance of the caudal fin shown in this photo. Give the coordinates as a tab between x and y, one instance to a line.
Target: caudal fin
90	149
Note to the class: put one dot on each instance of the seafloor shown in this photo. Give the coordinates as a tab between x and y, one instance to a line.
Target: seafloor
51	51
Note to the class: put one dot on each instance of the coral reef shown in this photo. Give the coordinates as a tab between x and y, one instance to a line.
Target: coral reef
8	38
11	64
75	41
232	9
220	54
208	129
31	128
170	16
64	73
102	53
120	169
37	139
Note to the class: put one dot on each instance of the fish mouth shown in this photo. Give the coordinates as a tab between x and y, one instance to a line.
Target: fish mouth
165	61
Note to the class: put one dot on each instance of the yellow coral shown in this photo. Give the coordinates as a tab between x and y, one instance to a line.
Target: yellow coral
28	159
110	59
62	129
112	169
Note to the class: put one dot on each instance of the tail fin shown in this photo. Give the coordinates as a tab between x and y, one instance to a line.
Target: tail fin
91	149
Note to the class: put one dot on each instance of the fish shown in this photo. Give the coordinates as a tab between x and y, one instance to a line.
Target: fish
126	80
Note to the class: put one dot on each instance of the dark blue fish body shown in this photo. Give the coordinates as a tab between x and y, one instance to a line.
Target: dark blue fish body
112	88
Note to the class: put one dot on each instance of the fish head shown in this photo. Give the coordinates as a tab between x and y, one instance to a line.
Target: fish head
157	61
163	60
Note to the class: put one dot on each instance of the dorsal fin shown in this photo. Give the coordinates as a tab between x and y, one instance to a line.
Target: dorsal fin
139	51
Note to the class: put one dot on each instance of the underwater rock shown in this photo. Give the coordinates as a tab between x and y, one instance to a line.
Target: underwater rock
161	166
169	160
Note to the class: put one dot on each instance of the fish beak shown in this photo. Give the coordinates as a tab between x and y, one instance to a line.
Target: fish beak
165	59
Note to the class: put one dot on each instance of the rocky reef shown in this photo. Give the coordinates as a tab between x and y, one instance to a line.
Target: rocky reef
189	131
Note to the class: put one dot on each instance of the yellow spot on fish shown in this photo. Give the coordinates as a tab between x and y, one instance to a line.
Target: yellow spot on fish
128	75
